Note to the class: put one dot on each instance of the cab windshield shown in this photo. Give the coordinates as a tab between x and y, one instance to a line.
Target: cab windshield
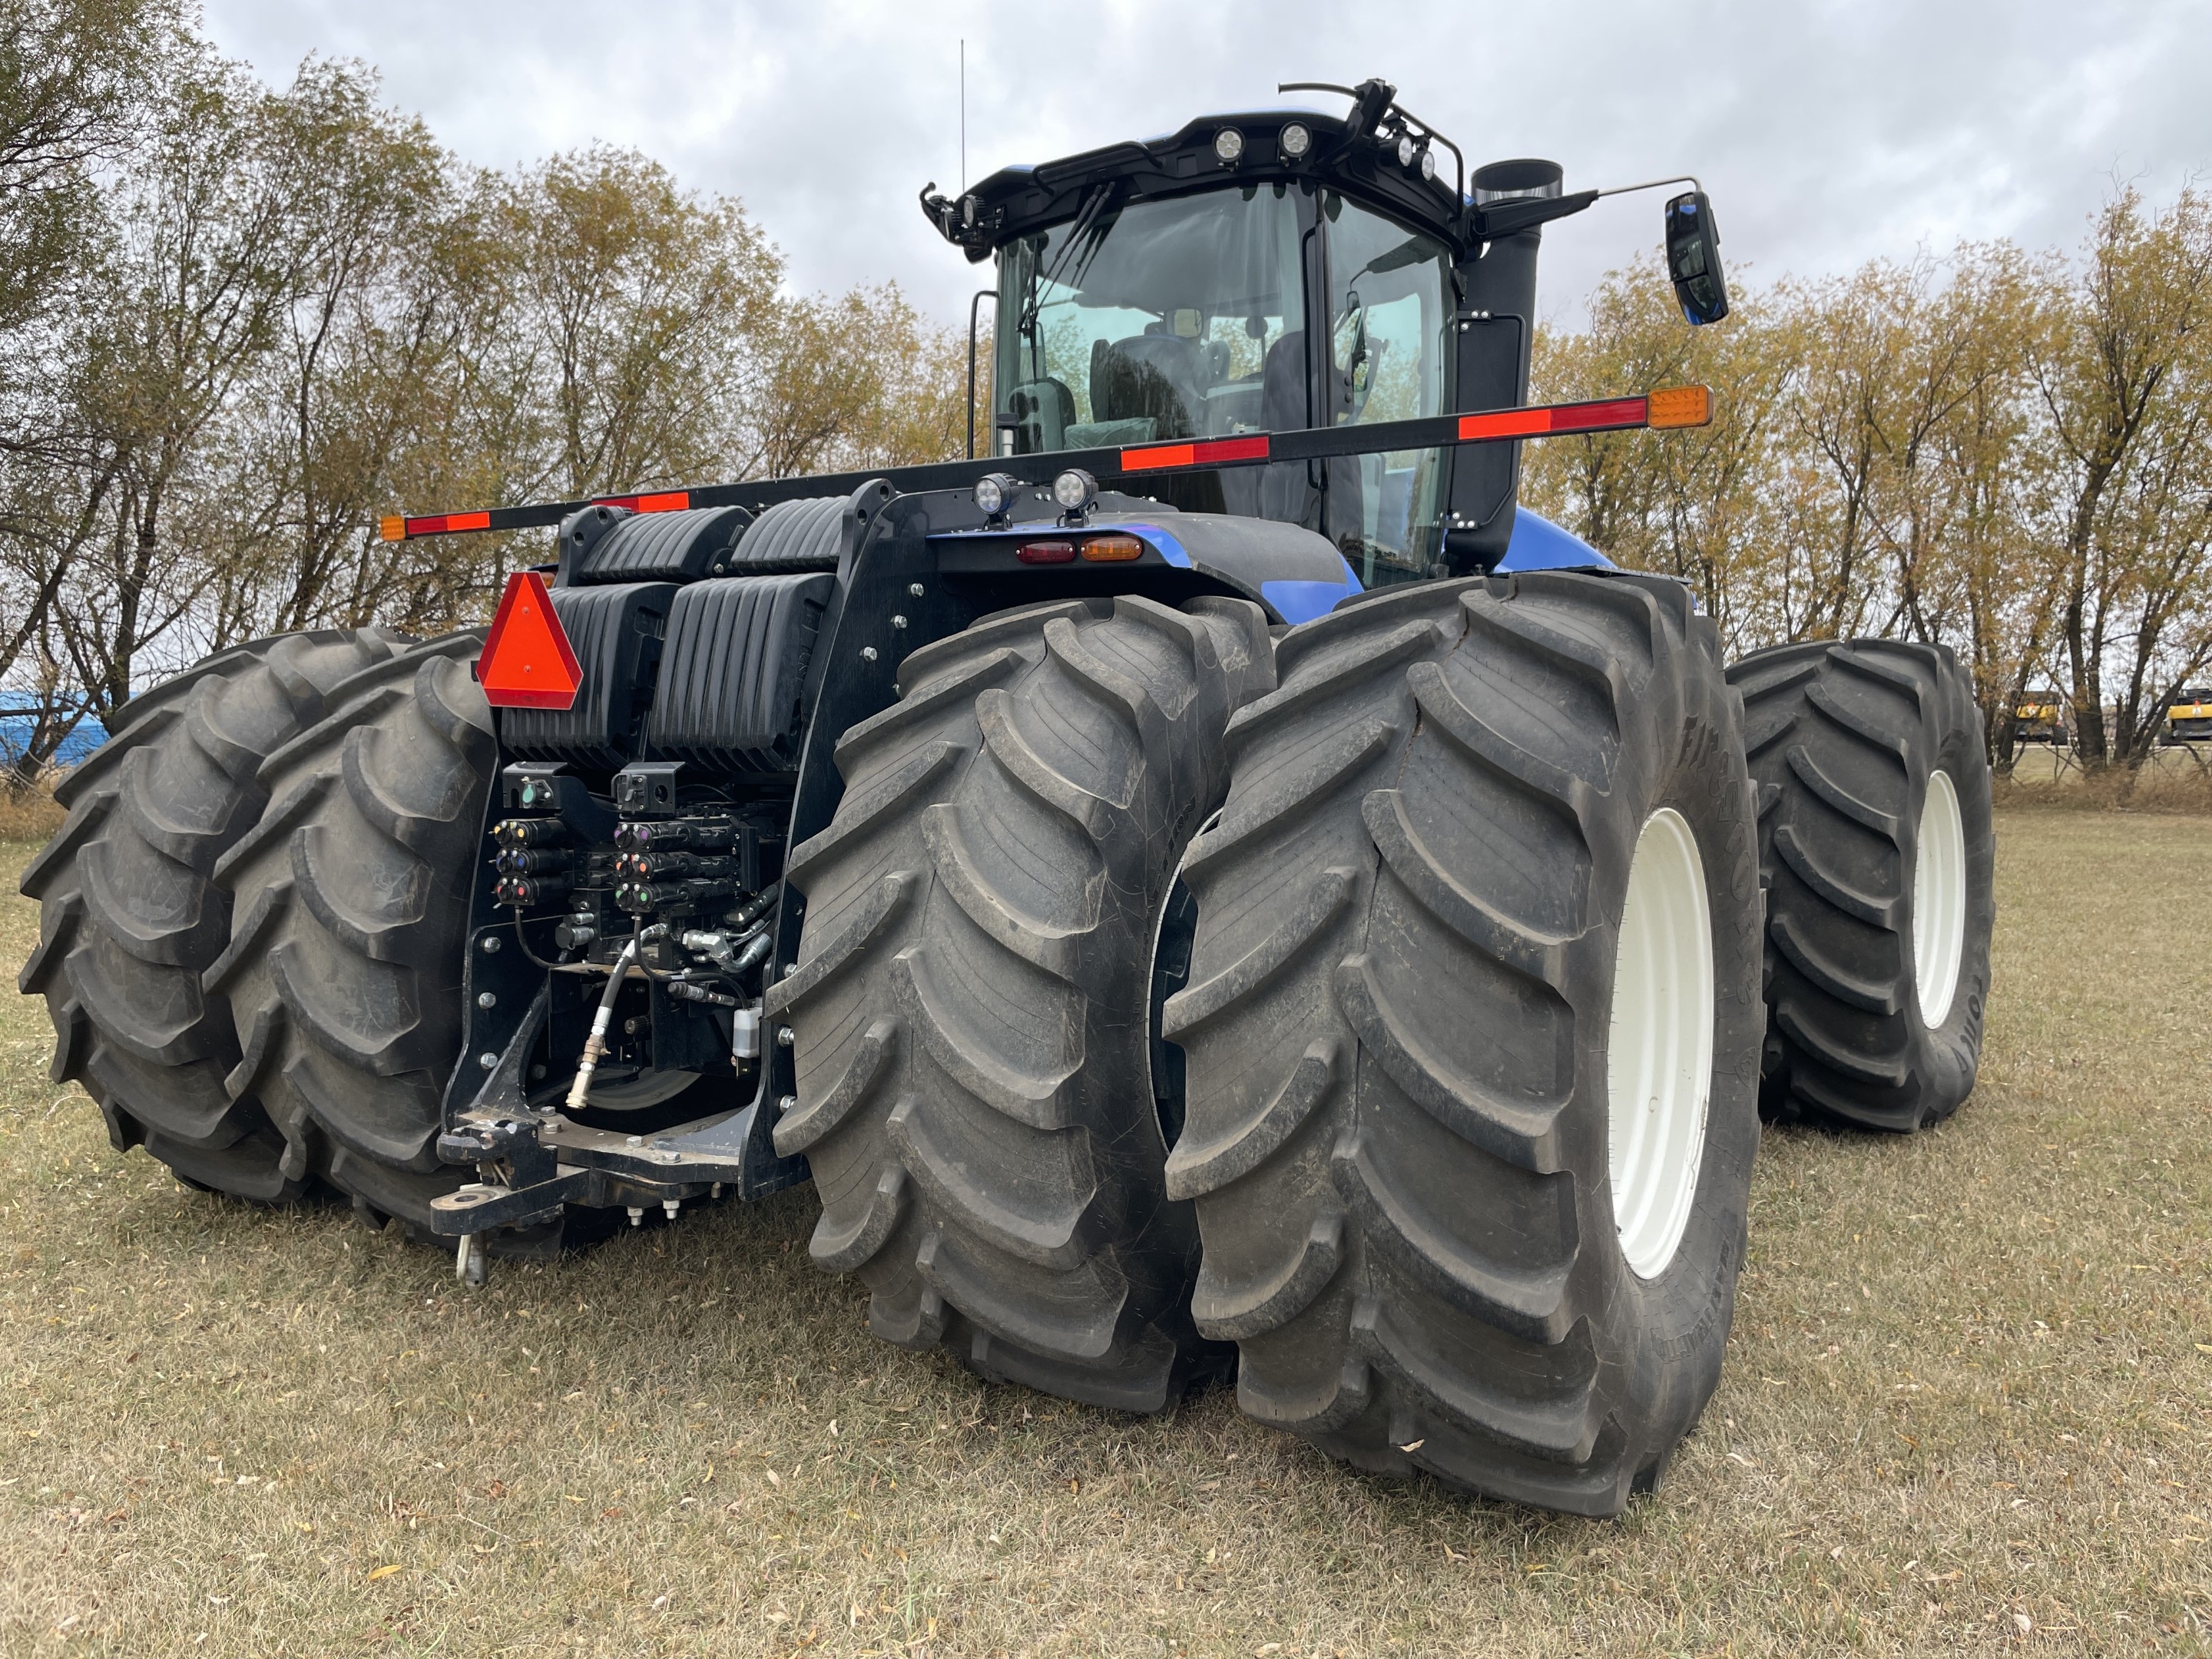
1154	321
1189	318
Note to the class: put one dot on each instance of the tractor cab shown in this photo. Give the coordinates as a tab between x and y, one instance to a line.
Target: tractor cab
1190	316
1273	271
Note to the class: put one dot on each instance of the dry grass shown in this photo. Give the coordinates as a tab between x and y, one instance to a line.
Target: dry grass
2175	781
1968	1406
32	815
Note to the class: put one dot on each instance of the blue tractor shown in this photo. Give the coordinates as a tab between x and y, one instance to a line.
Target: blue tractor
1205	887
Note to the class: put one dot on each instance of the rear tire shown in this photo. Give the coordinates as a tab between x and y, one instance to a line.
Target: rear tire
129	917
351	903
1856	845
971	1006
1399	1032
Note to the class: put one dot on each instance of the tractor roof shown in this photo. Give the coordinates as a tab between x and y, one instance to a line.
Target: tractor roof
1350	156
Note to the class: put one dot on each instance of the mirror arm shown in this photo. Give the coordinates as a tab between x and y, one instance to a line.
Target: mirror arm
1504	218
1689	178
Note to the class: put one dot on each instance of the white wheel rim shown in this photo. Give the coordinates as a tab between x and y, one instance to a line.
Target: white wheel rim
1660	1061
1939	901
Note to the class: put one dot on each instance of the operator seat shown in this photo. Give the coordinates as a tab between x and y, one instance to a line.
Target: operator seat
1156	377
1159	379
1279	491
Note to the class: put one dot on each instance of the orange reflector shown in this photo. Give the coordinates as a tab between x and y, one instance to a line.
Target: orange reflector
527	661
1113	550
392	527
1681	405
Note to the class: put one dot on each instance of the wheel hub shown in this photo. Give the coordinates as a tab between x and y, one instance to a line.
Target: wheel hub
1659	1060
1939	901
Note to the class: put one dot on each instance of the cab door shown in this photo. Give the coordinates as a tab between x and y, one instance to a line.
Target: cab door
1385	318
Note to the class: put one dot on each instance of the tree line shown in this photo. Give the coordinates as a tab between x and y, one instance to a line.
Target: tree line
2006	452
237	322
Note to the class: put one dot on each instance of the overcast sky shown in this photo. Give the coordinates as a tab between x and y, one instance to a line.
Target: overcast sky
1827	134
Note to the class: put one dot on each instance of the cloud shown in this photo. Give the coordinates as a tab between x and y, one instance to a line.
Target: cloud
1828	134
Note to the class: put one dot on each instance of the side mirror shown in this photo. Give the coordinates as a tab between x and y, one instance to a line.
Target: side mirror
1693	258
1351	335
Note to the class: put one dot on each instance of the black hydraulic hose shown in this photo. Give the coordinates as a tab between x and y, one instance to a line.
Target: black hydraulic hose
753	955
535	961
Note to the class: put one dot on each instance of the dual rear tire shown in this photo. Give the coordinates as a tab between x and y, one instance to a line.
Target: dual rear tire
1472	1025
1390	1183
251	924
132	914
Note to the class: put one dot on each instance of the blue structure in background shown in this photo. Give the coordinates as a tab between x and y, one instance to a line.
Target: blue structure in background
89	736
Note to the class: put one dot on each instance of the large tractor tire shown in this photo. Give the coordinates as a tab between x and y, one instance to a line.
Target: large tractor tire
971	1010
1878	854
351	906
1472	1035
129	917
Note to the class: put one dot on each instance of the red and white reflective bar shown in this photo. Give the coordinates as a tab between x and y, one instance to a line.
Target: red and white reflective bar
1670	407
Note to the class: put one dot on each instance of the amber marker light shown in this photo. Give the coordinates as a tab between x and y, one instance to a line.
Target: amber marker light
1113	550
1681	405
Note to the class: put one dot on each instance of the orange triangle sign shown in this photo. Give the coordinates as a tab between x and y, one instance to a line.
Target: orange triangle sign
527	662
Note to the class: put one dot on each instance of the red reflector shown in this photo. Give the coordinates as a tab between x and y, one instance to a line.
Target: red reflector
671	500
527	662
1568	417
1148	460
439	524
1045	552
1212	452
1218	450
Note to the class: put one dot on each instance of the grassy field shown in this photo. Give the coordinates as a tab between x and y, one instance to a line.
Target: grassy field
1968	1404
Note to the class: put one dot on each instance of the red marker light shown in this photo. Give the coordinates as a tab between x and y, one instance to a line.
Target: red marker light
1045	552
527	661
